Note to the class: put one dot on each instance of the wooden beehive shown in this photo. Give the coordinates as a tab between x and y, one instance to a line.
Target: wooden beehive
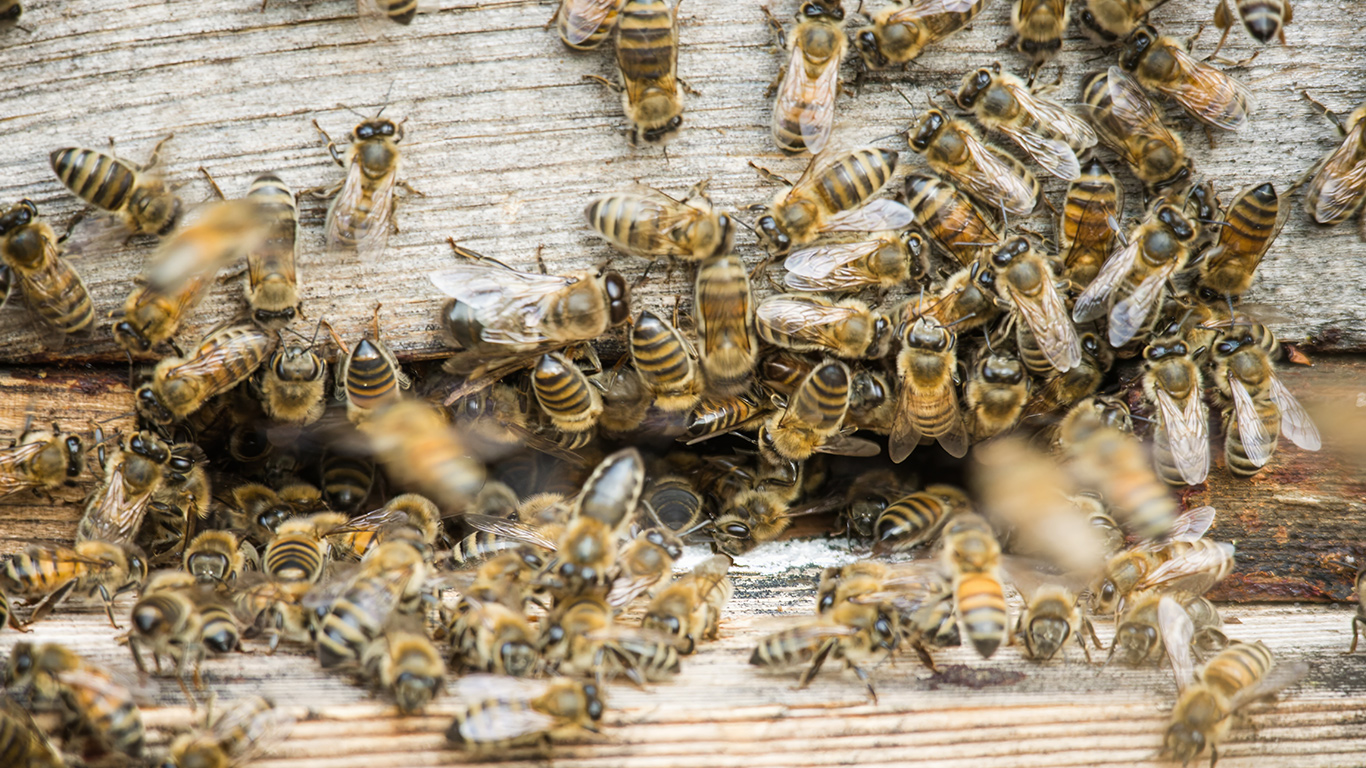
506	142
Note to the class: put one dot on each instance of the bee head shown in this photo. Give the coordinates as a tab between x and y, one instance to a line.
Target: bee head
930	125
1136	46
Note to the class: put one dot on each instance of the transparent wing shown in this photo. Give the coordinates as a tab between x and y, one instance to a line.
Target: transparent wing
365	222
1130	315
1188	433
1277	679
1191	524
1065	125
1296	423
510	529
955	441
828	267
1208	94
1177	632
224	354
1257	444
1195	570
1053	155
1335	191
483	687
814	323
116	516
995	180
511	305
904	436
812	100
1091	303
922	8
1046	316
877	215
496	721
10	462
261	725
584	17
848	445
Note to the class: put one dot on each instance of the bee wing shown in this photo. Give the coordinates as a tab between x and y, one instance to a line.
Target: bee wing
995	180
370	521
1191	524
1207	93
877	215
11	460
1277	679
116	517
955	441
710	572
813	632
904	436
827	267
372	18
1047	318
1195	570
1129	316
1177	633
496	721
848	445
225	231
802	320
370	230
261	727
1091	303
222	355
1069	127
922	8
1335	191
1188	432
1053	155
511	529
583	17
1295	421
113	684
1130	107
1257	444
812	100
508	303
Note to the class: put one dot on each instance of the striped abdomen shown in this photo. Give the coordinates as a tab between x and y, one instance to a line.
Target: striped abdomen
647	43
399	11
1234	452
628	221
354	621
294	557
933	410
909	522
717	415
478	547
663	361
565	394
676	502
1241	665
372	379
346	480
654	661
846	184
1146	506
110	713
1031	354
725	324
239	350
102	180
982	608
1264	19
1092	201
819	404
785	649
220	633
585	24
819	44
1249	225
948	217
40	571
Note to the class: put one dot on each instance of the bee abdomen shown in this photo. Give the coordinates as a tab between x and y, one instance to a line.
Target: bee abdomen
565	394
1163	461
292	558
1238	462
645	44
658	352
908	522
371	380
99	179
346	480
1262	19
856	177
982	606
399	11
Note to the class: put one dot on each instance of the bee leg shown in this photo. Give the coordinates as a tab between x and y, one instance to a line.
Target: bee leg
775	25
1209	136
559	8
108	606
1010	43
1358	623
923	654
867	681
1091	629
608	84
816	662
691	91
1232	63
212	183
410	189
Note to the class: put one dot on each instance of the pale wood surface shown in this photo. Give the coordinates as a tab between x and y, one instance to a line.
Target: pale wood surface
508	142
721	712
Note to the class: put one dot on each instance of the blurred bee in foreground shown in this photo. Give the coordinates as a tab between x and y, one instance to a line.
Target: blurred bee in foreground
649	224
585	24
1050	134
1163	64
807	85
247	728
361	216
136	195
419	449
1359	620
51	288
502	712
1338	186
22	742
93	696
832	195
901	31
1265	20
41	460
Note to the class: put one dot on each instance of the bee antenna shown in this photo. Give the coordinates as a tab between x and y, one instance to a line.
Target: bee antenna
959	320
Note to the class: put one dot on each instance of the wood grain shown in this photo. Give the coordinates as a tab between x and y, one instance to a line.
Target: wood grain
508	142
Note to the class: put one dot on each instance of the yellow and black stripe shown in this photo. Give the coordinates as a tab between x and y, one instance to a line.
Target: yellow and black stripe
372	378
646	42
909	522
565	394
947	217
294	557
982	607
846	184
399	11
346	480
1249	225
102	180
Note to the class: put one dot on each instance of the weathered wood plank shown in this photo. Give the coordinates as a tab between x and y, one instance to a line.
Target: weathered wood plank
508	142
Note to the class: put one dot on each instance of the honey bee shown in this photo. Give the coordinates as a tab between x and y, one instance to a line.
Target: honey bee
1086	235
832	195
721	415
250	726
273	608
1128	123
887	261
847	328
10	13
860	635
218	556
689	609
500	311
41	460
133	473
92	694
1041	127
1258	406
900	32
1338	186
1025	280
299	549
585	24
369	379
346	480
587	550
396	11
914	519
493	637
950	219
178	617
929	397
293	385
181	385
1064	389
647	60
724	307
813	419
1188	563
952	148
1359	620
760	510
21	741
1208	701
54	573
580	638
361	215
1263	19
649	224
361	534
972	555
136	195
403	662
501	712
1157	249
50	285
918	591
566	396
1112	21
385	583
1171	383
1164	64
1250	225
666	363
807	85
272	275
1140	632
642	564
1039	26
967	300
996	394
872	404
1050	618
676	501
419	449
867	495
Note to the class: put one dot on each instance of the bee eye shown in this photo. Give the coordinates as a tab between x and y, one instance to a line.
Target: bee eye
1107	592
737	530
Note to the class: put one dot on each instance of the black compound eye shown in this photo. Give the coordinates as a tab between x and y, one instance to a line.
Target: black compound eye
555	634
1107	592
737	530
365	131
